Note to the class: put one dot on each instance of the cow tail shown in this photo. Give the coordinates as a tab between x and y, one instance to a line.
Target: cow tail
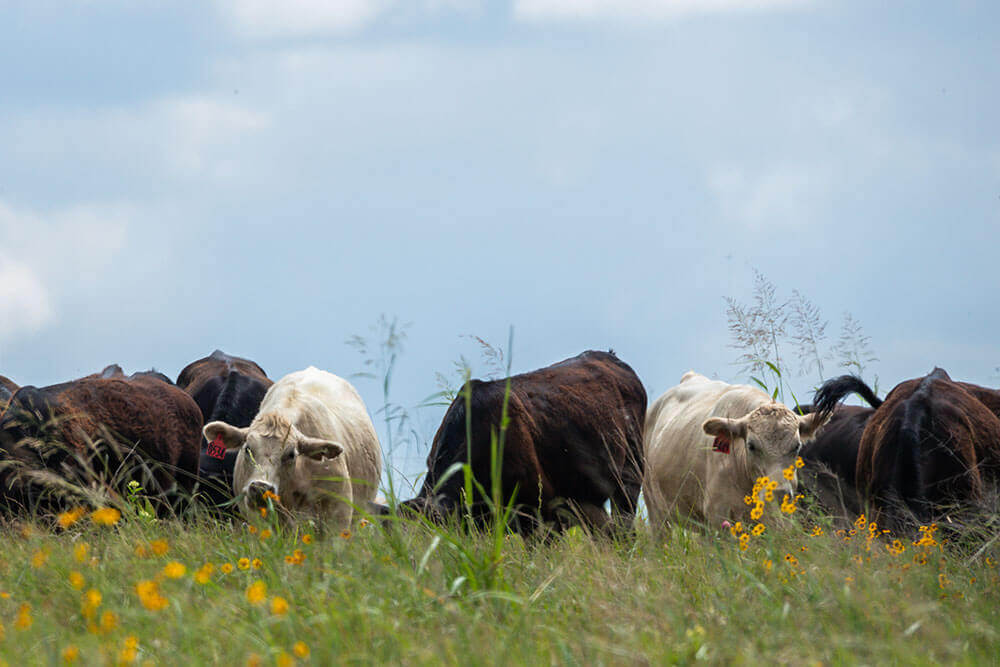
833	391
908	473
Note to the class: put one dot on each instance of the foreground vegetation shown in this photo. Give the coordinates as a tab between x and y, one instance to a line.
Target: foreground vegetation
794	591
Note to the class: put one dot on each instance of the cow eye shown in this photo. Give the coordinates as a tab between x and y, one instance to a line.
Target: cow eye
288	455
752	447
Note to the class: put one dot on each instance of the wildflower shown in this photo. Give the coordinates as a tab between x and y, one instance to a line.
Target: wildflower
150	596
799	462
307	539
91	601
990	562
204	573
252	529
266	533
284	660
896	548
140	551
848	580
109	621
364	523
256	563
768	565
758	530
106	516
129	650
769	495
789	473
256	593
24	619
943	580
744	541
279	606
748	500
920	559
345	534
788	505
159	547
757	512
243	563
301	650
76	580
860	522
174	570
736	528
68	518
226	568
70	654
791	560
816	531
270	495
263	512
39	558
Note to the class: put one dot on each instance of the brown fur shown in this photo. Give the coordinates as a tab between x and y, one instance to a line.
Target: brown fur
931	442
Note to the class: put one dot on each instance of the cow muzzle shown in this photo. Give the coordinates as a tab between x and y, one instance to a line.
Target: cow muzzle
258	491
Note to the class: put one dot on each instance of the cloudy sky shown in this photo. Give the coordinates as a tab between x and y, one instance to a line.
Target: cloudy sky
268	178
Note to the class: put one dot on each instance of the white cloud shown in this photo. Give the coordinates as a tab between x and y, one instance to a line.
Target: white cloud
45	254
781	196
632	10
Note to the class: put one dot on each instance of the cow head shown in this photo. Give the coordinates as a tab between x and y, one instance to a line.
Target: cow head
766	441
276	461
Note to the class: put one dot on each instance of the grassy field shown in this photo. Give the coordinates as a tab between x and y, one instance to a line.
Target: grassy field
166	592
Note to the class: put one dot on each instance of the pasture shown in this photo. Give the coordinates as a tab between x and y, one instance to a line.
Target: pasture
162	592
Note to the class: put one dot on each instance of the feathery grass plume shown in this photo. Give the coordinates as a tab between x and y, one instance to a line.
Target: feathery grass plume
808	334
758	330
853	348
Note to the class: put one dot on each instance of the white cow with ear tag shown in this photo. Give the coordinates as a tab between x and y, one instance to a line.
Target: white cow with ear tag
312	450
706	442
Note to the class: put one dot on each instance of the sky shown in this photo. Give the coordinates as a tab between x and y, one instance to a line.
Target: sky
271	178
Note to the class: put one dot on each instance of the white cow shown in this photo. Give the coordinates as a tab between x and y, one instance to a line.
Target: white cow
706	442
312	445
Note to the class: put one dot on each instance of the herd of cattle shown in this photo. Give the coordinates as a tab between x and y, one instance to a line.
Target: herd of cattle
577	437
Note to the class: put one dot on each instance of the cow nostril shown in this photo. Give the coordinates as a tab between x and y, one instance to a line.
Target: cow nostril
257	492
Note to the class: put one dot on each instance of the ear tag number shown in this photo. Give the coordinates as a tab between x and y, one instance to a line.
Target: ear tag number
216	448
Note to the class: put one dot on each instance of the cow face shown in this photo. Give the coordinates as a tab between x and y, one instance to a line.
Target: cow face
768	440
298	473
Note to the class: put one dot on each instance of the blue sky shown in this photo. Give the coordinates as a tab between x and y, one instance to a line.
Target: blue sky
177	177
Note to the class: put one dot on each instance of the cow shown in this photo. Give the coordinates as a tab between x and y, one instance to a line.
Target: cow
573	442
7	389
58	441
930	444
227	389
311	451
707	442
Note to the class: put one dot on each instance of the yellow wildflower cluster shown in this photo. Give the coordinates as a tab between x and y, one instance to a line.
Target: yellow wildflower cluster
150	596
788	503
297	557
256	593
106	516
68	518
927	536
204	574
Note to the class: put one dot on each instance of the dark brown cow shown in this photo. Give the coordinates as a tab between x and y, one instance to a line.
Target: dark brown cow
574	441
227	389
117	428
931	443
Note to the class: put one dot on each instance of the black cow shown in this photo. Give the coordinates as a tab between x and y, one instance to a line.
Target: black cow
227	389
573	442
59	440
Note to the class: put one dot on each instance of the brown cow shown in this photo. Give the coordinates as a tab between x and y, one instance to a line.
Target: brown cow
931	443
574	442
7	389
115	428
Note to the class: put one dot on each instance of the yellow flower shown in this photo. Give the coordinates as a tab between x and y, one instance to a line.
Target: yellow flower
307	539
256	593
106	516
789	473
70	654
266	533
736	528
252	528
744	541
860	522
768	565
226	568
174	570
243	563
256	564
799	462
129	650
109	621
279	606
204	573
253	660
284	660
748	500
24	619
68	518
758	530
140	551
159	547
92	598
301	650
816	531
149	595
346	534
76	580
38	559
791	560
263	512
363	523
757	512
943	580
270	495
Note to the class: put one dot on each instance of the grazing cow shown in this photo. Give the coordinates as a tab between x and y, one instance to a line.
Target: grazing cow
312	450
930	443
227	389
57	438
707	442
574	441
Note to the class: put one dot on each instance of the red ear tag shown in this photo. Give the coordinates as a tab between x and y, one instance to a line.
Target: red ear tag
721	444
216	448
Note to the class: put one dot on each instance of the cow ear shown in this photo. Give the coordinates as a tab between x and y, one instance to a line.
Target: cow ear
730	428
318	449
232	437
811	423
